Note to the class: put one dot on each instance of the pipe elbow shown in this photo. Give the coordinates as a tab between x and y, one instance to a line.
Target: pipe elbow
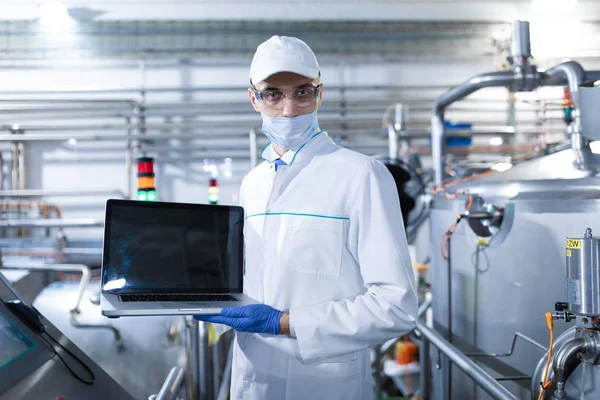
564	358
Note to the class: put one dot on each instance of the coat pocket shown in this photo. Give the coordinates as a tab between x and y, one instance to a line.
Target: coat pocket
326	380
313	245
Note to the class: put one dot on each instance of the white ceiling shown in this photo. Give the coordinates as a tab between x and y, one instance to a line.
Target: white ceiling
436	10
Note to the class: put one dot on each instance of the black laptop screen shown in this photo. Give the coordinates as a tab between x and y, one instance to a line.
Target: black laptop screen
172	248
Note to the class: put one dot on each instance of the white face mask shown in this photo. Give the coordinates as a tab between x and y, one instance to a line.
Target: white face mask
290	133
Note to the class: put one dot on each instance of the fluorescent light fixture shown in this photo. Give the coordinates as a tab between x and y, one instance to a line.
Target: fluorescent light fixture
501	166
72	141
54	17
595	147
496	141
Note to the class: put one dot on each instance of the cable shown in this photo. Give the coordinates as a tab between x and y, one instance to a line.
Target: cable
448	234
546	384
91	373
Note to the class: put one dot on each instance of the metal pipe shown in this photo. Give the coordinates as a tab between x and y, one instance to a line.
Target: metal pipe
449	298
216	365
51	223
21	152
85	279
214	89
512	347
49	137
129	160
568	73
192	383
172	384
57	193
474	371
1	172
253	149
493	79
14	169
204	383
584	158
225	382
520	46
574	74
563	358
423	308
392	142
40	266
425	361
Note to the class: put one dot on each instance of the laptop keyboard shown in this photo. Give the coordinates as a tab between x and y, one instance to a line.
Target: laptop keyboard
177	297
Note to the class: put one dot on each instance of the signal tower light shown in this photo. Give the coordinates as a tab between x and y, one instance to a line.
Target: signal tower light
213	191
145	179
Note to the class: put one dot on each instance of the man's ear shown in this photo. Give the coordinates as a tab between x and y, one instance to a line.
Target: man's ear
253	99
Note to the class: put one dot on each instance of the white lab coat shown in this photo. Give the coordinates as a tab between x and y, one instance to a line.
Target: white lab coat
324	239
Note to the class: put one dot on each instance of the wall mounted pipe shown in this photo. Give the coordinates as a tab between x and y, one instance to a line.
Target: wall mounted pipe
493	79
51	223
568	72
191	89
573	74
59	193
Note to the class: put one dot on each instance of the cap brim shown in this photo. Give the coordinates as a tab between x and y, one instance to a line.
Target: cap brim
308	72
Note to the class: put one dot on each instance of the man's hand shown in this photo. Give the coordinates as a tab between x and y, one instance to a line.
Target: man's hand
255	318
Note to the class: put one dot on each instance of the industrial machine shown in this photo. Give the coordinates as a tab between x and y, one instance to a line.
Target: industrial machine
581	344
497	251
37	361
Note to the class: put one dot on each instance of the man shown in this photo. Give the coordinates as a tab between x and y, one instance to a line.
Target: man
326	250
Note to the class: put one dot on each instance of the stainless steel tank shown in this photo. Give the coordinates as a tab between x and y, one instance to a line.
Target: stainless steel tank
151	346
495	286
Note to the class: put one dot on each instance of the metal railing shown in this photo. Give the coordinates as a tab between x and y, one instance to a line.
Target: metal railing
171	386
462	362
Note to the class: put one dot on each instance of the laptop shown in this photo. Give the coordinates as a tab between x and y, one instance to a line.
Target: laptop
171	259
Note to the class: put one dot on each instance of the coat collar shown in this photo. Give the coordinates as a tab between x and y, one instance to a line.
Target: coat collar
270	155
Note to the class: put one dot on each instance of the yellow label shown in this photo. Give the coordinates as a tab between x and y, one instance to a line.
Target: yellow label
482	241
573	244
568	253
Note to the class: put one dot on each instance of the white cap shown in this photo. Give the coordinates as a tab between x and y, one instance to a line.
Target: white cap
283	54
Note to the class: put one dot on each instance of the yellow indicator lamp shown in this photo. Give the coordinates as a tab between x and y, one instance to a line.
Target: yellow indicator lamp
145	182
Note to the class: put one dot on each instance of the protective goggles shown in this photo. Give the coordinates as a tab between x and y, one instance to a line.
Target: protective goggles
303	96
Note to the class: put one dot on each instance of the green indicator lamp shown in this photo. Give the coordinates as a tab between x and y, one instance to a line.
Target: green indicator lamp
213	192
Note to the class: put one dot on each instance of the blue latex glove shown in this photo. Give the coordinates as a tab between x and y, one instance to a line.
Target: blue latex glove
255	318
